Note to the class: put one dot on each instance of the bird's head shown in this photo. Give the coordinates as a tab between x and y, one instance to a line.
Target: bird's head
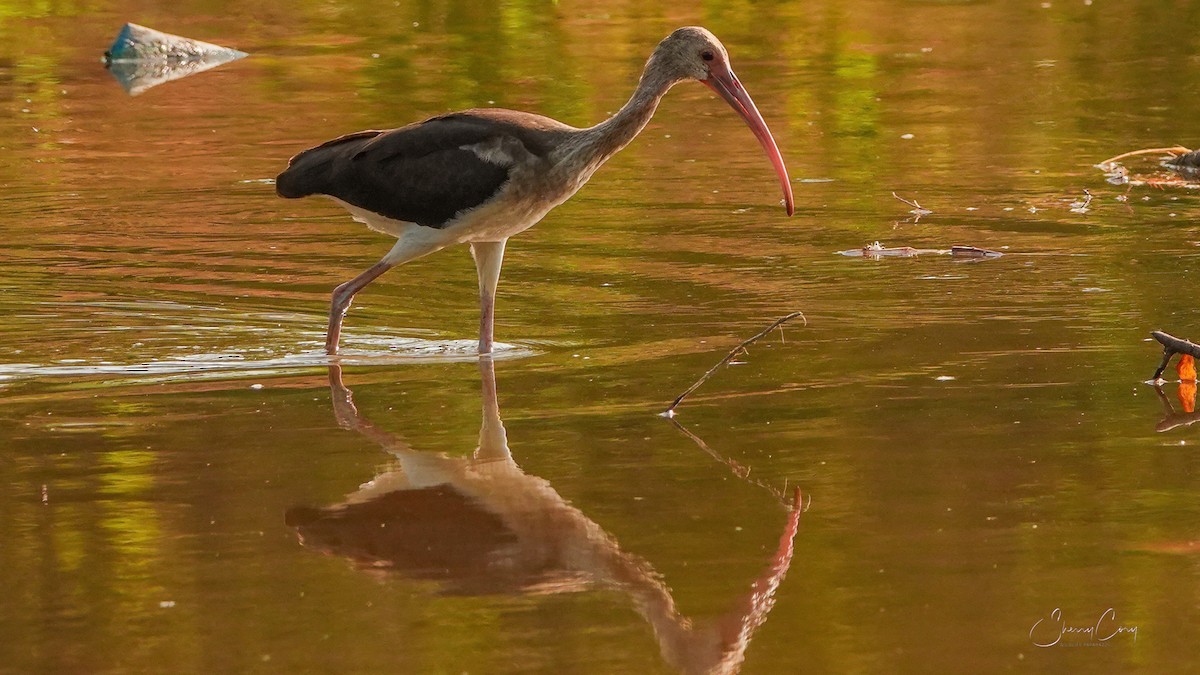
693	53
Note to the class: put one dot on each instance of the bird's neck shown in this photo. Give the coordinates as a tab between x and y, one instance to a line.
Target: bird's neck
607	138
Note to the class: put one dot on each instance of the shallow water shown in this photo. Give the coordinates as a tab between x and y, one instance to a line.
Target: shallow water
186	483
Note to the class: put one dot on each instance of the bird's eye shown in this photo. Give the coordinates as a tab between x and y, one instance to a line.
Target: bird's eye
707	55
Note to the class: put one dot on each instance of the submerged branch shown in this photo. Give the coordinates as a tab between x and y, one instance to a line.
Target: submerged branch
670	411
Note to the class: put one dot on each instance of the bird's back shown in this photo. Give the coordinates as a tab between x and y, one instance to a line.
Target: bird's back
425	173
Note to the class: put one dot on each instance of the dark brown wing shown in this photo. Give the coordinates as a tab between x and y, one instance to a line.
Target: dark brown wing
423	173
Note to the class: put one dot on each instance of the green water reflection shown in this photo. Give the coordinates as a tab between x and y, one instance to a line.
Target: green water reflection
975	437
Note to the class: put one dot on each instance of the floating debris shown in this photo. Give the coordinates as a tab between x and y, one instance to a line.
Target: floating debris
141	58
1187	164
877	250
1117	175
1188	160
1081	206
1172	346
917	210
972	252
1182	168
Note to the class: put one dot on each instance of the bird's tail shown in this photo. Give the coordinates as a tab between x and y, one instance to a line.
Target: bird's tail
305	172
308	173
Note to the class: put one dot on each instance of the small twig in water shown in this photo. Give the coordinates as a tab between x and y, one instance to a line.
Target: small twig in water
740	349
1082	206
917	208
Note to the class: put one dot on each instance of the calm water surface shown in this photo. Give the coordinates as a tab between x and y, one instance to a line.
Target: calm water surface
187	485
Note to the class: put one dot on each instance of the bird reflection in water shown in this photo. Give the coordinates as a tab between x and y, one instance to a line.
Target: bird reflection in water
480	525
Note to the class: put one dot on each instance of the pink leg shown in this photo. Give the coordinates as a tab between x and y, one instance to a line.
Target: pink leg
488	258
342	297
487	316
412	244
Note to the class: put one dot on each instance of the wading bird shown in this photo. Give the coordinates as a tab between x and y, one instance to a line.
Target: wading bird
482	175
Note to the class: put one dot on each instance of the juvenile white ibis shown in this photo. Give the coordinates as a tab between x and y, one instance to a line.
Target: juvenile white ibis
482	175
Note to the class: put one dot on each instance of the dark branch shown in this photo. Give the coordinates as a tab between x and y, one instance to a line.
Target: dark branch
670	411
1172	346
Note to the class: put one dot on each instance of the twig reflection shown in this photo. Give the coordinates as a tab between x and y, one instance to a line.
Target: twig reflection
740	470
1171	419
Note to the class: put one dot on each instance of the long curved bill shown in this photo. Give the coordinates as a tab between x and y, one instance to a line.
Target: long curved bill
725	83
